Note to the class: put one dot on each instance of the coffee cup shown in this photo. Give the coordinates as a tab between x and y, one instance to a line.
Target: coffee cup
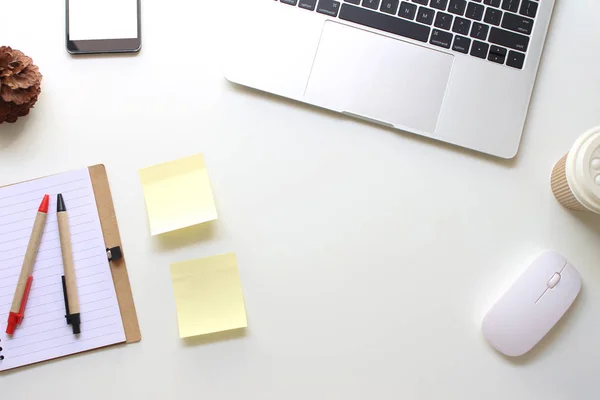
575	178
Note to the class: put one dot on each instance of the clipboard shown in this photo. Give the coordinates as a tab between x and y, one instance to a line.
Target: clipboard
118	266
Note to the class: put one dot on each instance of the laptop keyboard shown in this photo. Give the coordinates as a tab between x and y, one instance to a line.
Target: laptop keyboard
494	30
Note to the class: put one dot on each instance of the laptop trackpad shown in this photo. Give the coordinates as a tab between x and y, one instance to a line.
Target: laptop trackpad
383	79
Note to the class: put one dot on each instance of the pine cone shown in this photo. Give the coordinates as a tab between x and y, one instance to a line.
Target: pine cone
20	84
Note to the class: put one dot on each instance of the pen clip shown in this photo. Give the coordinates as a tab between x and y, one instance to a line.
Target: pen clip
24	301
68	314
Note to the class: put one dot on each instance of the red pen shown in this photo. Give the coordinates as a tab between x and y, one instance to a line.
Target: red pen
17	310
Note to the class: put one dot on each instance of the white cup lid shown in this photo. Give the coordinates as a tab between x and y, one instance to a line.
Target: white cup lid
583	169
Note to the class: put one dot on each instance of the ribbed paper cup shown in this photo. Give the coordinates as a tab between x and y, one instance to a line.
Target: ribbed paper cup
561	189
575	178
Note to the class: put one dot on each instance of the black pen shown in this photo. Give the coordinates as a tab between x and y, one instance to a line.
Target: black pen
69	281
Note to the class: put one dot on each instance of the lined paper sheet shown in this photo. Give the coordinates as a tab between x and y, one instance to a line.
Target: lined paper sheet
44	333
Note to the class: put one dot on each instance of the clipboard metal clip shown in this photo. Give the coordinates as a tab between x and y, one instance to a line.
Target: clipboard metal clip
114	253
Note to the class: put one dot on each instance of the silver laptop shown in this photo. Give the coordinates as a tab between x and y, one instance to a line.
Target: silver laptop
454	70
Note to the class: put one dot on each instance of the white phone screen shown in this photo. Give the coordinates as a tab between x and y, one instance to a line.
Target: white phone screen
103	19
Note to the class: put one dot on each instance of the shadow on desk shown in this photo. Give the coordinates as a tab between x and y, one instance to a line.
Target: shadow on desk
589	220
215	337
512	163
104	55
187	236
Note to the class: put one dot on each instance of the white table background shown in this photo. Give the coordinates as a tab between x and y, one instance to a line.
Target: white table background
367	257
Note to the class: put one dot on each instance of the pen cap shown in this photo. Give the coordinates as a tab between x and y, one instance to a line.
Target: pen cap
60	203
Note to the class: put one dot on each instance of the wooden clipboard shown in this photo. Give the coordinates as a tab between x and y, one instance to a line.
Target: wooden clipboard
118	268
112	238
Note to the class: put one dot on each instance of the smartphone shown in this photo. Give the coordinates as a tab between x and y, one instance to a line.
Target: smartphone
103	26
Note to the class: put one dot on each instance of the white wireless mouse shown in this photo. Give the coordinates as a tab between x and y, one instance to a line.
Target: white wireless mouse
533	305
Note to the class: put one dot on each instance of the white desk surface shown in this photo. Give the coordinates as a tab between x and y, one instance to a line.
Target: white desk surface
367	257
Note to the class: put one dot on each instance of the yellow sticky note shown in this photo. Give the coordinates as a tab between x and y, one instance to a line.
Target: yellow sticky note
178	194
208	295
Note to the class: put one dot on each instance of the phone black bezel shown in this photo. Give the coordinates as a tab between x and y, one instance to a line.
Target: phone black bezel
104	46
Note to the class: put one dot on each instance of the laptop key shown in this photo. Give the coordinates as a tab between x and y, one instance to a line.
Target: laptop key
328	7
528	8
497	54
461	26
510	5
443	21
479	49
515	59
290	2
308	4
424	2
389	6
461	44
357	2
407	10
479	31
493	16
457	7
372	4
498	50
384	22
493	3
425	15
441	38
474	11
516	23
509	39
438	4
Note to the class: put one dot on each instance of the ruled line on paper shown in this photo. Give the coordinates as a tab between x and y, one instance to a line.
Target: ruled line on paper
74	342
27	209
49	338
51	220
83	322
50	249
73	234
50	258
36	199
40	189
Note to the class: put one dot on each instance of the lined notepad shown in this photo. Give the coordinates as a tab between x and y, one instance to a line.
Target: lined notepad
44	334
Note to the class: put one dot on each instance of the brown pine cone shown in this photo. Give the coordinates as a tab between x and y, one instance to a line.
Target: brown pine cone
20	84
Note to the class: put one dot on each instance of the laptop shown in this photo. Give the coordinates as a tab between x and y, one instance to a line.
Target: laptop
457	71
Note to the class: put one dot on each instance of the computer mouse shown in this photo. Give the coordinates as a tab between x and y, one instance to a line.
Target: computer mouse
532	305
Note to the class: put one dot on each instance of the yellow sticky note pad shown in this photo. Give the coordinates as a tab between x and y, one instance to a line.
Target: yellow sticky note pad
178	194
208	295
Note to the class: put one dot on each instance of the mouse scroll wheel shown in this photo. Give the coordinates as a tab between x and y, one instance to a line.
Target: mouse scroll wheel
553	281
